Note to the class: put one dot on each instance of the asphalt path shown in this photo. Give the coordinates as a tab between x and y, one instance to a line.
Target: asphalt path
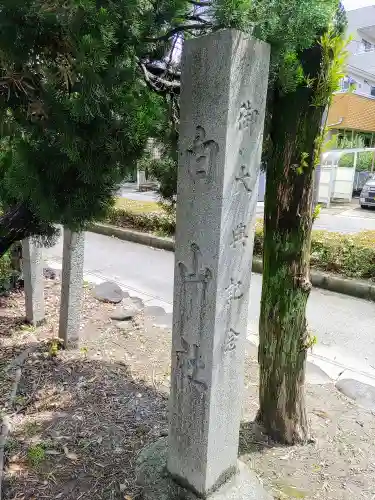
345	326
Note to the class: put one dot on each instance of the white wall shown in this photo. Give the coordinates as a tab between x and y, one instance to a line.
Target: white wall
363	84
361	65
359	19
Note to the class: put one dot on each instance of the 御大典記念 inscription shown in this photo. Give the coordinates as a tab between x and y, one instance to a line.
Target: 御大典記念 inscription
248	116
234	290
245	179
240	235
231	340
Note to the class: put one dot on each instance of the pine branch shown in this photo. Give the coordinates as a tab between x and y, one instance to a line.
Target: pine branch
200	4
199	19
157	83
179	29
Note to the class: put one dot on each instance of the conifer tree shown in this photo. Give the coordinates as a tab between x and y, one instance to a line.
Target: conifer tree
75	111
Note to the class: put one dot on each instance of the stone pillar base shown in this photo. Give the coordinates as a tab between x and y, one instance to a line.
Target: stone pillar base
157	484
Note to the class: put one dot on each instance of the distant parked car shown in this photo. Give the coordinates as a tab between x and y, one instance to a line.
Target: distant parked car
367	196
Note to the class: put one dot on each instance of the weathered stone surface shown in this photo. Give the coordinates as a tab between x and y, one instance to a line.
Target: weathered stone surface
71	287
108	292
362	393
137	303
223	98
123	314
32	266
129	308
157	484
154	311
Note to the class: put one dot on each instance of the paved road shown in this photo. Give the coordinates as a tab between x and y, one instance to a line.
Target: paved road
344	325
352	220
349	219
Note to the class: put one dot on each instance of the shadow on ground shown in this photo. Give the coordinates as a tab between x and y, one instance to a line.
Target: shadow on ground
78	427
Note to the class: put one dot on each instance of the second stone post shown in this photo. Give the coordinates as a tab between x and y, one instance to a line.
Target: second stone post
32	268
71	287
224	86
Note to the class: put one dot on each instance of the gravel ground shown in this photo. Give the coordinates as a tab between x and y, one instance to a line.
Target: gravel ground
79	418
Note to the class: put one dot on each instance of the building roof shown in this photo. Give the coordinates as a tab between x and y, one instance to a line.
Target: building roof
352	111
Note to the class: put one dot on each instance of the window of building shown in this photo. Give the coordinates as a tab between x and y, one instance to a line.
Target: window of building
348	83
372	91
367	46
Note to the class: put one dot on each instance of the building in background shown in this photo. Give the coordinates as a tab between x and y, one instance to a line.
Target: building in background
351	118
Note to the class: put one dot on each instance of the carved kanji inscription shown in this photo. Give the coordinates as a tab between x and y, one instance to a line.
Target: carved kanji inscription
248	115
231	340
202	157
193	297
240	235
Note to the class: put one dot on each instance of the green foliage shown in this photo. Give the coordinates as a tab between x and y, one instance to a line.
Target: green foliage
364	161
164	170
36	455
291	73
8	275
339	142
152	222
352	256
233	14
334	55
290	26
303	163
316	212
74	105
311	341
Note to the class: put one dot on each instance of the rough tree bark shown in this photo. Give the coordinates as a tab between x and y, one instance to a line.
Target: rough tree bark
17	223
284	339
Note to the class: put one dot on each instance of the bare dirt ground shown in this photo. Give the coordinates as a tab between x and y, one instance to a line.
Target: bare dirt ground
79	418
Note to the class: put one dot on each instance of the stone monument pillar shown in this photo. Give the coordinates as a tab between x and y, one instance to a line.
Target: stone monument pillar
223	99
71	287
32	268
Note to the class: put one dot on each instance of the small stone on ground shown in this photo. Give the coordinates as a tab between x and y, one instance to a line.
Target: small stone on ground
154	311
137	302
123	314
109	292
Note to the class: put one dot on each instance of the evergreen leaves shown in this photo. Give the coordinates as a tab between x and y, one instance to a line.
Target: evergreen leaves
75	110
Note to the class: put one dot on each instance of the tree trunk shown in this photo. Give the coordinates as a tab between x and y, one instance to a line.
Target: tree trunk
16	224
284	338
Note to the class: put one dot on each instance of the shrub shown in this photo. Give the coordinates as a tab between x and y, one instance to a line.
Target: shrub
350	255
164	170
8	275
162	223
